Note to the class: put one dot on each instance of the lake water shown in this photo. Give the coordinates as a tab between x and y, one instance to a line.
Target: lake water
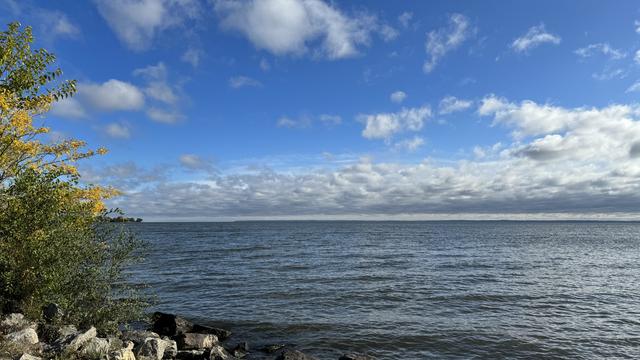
410	290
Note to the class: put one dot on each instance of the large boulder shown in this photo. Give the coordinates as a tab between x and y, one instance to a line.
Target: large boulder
195	341
156	349
138	337
23	337
173	325
15	322
74	342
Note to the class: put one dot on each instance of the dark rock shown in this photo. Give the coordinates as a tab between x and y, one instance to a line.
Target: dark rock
240	350
173	325
192	355
48	333
170	325
291	354
219	353
270	349
353	356
222	334
51	313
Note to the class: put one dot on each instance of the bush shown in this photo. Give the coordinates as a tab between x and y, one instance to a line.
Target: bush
54	249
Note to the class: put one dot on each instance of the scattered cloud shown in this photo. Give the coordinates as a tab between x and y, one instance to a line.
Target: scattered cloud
636	57
443	40
635	87
238	82
535	36
405	19
157	86
610	73
409	145
196	163
451	104
330	120
296	27
118	131
49	25
602	48
112	95
264	65
192	56
289	122
138	22
68	108
573	160
385	125
636	25
388	33
164	116
397	96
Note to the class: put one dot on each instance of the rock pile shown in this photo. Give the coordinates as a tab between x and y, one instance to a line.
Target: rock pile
170	337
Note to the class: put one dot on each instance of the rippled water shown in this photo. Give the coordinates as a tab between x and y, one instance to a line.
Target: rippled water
410	290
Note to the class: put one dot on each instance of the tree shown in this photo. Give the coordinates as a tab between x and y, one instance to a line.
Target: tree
55	245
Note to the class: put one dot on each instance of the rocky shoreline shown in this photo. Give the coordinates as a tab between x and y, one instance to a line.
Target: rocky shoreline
169	337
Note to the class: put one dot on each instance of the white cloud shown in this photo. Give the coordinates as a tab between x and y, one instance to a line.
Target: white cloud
164	116
405	19
157	87
603	48
137	22
441	41
636	57
535	36
112	95
398	96
264	65
294	26
237	82
196	163
192	56
328	119
410	145
610	73
388	33
69	108
577	160
635	87
637	26
118	130
288	122
450	104
385	125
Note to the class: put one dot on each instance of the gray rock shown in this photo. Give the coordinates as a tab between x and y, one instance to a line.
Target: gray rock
219	353
353	356
125	353
291	354
193	341
154	348
15	322
173	325
29	357
171	350
23	337
96	348
138	337
74	342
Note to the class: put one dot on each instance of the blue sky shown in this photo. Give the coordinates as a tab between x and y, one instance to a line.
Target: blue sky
352	109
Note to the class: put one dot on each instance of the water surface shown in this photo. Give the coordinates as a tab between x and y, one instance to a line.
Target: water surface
410	290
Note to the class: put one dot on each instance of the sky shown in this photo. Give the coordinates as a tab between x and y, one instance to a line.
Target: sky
315	109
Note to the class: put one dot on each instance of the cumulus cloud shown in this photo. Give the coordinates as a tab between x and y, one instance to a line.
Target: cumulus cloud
451	104
602	48
443	40
137	22
238	82
112	95
285	27
579	160
385	125
118	131
535	36
409	145
69	108
397	96
157	87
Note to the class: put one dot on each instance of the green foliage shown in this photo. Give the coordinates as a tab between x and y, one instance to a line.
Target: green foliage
25	72
53	249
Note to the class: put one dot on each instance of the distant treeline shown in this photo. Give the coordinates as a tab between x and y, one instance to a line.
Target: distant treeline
124	219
